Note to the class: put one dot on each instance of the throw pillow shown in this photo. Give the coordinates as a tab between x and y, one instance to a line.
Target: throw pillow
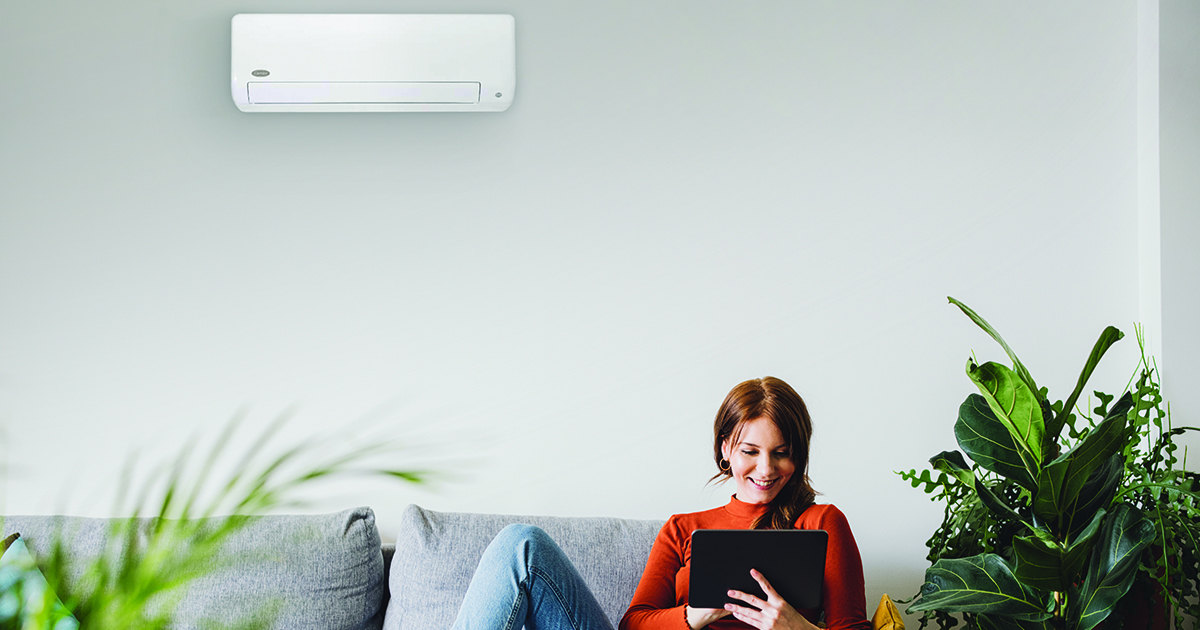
24	593
320	571
887	617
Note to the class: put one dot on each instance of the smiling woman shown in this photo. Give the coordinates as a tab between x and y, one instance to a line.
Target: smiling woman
760	440
758	460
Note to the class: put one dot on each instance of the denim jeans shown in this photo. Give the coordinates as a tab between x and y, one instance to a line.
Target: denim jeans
525	579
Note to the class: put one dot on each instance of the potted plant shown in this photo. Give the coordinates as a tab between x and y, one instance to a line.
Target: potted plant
1053	514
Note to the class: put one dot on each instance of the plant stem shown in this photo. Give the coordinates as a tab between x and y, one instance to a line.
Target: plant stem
1160	486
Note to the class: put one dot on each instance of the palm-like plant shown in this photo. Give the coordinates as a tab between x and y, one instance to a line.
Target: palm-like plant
139	579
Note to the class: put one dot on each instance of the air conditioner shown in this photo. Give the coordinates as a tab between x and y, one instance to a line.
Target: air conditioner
373	62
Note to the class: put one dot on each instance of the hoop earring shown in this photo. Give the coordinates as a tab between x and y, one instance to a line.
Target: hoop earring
723	465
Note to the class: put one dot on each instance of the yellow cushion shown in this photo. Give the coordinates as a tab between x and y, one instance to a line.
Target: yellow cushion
886	616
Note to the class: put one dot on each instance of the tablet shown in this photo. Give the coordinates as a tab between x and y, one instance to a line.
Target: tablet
792	560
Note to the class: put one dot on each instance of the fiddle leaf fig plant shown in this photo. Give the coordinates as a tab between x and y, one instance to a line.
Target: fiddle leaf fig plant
1055	517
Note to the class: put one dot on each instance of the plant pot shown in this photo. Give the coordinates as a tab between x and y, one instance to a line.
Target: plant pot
1142	608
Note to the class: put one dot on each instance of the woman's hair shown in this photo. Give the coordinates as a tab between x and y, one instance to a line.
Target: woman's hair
774	399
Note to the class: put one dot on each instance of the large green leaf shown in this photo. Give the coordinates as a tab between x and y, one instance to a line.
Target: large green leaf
988	443
980	584
952	463
997	505
1114	561
1097	493
1044	563
1038	562
1048	499
1107	338
1017	365
996	622
1015	406
1081	546
1060	482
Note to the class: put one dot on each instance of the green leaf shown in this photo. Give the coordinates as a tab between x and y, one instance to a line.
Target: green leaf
1044	563
1107	338
1081	546
1060	481
1114	561
980	584
1015	406
996	504
1018	367
988	443
952	463
1038	563
1102	408
407	475
996	622
925	480
1097	493
1048	500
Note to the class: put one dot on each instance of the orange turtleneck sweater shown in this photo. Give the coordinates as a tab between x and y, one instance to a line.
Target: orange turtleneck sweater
661	597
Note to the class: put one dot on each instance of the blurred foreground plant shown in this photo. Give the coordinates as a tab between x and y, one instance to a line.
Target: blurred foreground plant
139	579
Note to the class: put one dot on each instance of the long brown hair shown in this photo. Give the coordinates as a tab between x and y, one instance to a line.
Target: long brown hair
771	398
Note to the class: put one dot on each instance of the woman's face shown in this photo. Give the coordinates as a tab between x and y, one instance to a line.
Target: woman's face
760	462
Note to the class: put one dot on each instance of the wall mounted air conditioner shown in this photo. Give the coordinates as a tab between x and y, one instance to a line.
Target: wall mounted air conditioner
373	62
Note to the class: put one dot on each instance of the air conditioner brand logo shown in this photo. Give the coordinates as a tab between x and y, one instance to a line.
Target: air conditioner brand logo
260	73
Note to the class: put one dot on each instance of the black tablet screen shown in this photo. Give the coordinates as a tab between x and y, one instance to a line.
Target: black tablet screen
792	561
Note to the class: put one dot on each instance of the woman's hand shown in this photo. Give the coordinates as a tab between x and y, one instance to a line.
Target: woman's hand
771	614
697	618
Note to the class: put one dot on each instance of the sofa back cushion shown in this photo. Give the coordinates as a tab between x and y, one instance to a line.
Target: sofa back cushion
437	552
321	571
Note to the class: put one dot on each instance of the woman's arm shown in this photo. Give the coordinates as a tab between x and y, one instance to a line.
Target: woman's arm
654	605
843	593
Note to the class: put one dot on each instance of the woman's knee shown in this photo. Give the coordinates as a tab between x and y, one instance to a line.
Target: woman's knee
518	533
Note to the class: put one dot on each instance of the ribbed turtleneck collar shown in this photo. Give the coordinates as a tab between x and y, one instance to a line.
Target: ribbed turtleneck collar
745	510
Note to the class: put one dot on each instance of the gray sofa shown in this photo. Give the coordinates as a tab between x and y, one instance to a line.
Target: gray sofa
330	572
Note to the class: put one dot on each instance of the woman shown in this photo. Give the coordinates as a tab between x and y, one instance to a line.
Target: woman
760	440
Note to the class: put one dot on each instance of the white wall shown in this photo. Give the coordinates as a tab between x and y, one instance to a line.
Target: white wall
1179	71
554	300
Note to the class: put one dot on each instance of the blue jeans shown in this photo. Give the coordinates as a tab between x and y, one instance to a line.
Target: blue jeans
525	579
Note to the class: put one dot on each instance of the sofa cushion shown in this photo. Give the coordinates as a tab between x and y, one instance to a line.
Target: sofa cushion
319	571
437	552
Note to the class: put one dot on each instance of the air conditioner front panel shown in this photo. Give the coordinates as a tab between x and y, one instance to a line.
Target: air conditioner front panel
373	62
